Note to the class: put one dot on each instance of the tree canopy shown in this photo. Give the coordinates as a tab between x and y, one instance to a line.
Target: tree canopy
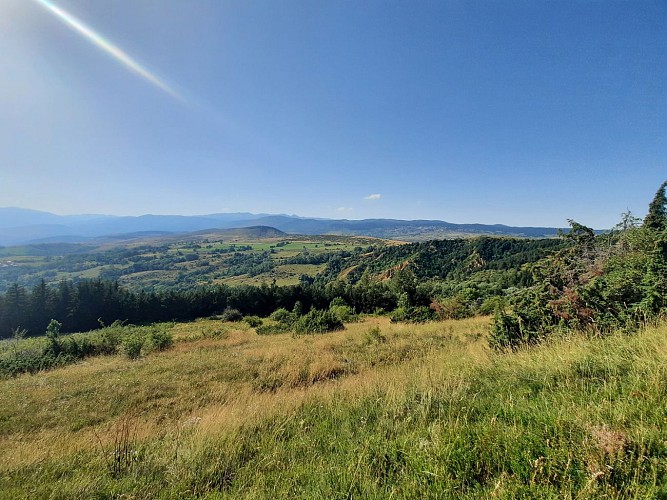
656	218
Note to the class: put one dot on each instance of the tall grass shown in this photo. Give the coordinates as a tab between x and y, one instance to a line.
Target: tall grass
375	411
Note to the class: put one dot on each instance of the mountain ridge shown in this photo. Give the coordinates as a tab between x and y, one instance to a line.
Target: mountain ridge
25	226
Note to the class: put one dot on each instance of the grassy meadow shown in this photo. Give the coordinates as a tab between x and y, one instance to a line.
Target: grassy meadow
378	410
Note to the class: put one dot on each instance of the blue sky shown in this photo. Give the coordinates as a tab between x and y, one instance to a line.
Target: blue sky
514	112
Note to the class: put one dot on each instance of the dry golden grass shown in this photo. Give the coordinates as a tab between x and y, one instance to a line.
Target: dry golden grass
219	377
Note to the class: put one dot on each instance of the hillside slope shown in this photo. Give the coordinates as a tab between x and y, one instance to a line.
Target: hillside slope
375	411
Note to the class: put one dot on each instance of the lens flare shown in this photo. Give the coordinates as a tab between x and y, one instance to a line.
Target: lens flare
107	47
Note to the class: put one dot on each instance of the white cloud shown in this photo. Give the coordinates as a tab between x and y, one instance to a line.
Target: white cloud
373	197
344	209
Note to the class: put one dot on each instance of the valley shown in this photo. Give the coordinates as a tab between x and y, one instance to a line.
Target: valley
237	256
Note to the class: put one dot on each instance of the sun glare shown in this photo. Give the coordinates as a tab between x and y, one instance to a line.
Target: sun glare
107	47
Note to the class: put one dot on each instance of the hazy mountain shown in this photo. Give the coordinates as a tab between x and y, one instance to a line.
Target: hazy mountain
244	233
11	217
397	229
21	226
167	223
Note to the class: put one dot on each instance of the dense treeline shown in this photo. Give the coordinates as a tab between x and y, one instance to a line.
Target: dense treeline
306	257
250	264
90	304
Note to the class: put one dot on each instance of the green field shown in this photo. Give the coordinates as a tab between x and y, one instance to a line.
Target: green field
172	263
283	275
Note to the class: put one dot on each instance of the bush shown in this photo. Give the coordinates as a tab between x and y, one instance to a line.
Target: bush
253	321
284	317
420	314
21	362
455	307
132	345
399	314
492	304
53	334
318	322
110	339
338	301
343	313
53	351
160	340
509	331
297	310
231	314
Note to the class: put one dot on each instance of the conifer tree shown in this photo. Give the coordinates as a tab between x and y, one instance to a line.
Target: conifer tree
656	219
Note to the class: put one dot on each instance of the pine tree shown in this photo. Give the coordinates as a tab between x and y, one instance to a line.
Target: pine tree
656	219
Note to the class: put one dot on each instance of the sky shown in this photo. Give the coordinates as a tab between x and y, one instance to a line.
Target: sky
525	113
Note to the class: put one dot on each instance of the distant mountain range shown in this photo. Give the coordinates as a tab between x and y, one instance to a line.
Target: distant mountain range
20	226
